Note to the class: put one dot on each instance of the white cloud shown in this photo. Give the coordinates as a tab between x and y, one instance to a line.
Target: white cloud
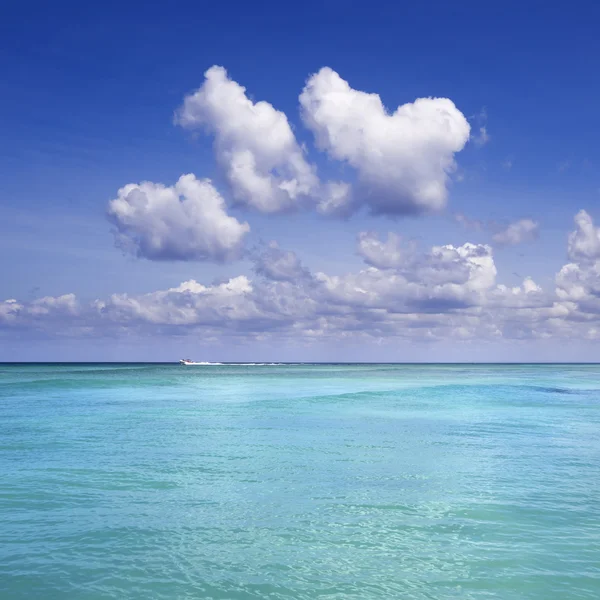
65	304
336	198
584	242
10	310
190	303
482	137
444	279
403	160
254	144
517	233
578	282
187	221
505	235
446	293
41	314
279	265
527	295
574	282
476	257
383	255
441	265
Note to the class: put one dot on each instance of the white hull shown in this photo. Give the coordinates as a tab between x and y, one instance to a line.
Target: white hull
191	363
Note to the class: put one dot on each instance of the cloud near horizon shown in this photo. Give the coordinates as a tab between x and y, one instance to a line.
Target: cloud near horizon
401	163
445	293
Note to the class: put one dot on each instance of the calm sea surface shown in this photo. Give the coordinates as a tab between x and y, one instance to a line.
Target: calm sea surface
299	482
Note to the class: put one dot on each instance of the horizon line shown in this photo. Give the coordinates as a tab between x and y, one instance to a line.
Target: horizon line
291	363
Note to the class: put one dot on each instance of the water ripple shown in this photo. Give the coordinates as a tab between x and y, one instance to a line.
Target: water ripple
300	482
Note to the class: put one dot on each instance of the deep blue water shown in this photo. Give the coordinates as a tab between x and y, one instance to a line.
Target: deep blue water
436	482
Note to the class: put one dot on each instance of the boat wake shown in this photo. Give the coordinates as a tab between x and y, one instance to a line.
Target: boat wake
191	363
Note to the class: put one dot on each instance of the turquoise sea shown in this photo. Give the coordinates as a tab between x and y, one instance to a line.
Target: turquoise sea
152	481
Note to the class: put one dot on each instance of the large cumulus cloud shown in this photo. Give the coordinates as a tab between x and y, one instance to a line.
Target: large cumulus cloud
403	158
187	221
255	146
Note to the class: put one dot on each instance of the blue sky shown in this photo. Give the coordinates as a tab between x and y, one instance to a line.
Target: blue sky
89	96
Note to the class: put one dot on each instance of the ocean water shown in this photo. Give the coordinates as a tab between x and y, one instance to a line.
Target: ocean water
415	482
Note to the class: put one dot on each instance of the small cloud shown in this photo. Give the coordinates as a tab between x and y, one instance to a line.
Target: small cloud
565	165
584	242
482	138
480	119
508	164
517	233
276	264
505	235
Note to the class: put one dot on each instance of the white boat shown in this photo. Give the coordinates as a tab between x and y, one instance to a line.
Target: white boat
187	362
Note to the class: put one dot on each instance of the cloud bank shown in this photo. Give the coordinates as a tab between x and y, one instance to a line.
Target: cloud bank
446	293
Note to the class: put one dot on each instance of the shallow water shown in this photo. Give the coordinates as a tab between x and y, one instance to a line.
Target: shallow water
300	481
